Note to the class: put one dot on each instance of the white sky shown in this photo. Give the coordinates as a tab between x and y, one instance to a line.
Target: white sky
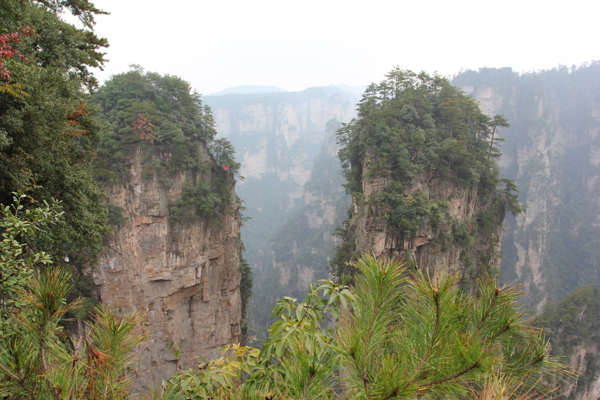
216	44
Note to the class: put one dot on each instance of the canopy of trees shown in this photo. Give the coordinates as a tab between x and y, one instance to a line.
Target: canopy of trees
413	123
164	115
47	132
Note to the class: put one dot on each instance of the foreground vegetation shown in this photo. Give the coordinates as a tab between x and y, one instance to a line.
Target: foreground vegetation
392	335
38	358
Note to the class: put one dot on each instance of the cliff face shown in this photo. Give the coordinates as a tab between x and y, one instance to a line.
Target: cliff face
279	137
430	247
573	327
175	250
185	277
551	152
301	249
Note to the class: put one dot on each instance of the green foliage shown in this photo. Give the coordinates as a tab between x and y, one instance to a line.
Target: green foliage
163	114
37	358
38	362
246	284
411	124
47	138
408	213
395	336
19	226
115	215
574	322
200	201
223	153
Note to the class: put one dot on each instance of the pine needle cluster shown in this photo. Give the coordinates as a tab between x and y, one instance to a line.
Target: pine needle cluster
39	360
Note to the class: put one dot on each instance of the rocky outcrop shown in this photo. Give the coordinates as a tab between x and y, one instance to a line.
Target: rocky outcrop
585	360
278	138
431	247
184	276
424	181
301	249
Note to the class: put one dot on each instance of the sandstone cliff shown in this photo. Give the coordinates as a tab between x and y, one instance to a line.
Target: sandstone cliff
301	249
185	277
459	245
551	152
277	137
175	250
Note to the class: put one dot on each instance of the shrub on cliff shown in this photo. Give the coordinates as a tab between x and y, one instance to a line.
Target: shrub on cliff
395	336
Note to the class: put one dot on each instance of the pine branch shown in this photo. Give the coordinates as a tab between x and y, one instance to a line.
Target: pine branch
435	330
489	310
457	375
10	373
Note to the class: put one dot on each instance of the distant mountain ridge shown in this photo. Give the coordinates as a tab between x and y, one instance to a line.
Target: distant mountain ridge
356	91
249	89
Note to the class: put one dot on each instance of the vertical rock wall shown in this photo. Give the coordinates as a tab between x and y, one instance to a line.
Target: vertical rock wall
551	151
277	137
372	235
301	249
184	277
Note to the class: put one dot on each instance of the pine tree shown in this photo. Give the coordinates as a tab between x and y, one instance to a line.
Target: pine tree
38	359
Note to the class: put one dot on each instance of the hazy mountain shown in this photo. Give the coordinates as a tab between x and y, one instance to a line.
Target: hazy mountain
249	89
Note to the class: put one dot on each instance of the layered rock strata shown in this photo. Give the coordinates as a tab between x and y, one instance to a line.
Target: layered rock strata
184	276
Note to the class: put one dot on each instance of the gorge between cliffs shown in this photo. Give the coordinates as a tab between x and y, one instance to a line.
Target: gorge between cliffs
440	210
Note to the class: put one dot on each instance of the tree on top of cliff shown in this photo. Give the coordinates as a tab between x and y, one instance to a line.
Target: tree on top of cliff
164	116
177	115
415	131
48	134
414	123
